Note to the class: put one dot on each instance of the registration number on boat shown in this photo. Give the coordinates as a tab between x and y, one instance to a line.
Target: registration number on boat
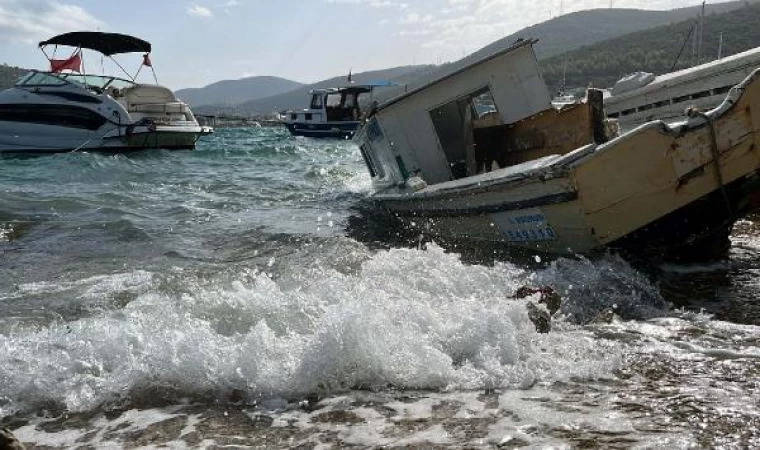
526	225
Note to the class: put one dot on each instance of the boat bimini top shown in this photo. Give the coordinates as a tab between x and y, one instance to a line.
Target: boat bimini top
108	44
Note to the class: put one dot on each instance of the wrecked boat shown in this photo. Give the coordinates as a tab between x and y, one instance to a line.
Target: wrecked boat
481	155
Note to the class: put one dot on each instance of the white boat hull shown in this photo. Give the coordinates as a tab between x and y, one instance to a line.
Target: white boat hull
657	189
36	138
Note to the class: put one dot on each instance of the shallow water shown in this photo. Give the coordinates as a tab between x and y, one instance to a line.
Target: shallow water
246	294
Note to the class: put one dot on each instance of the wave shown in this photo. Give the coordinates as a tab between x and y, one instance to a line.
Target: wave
410	319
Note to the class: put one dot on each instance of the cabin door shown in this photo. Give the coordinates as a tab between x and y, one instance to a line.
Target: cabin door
453	125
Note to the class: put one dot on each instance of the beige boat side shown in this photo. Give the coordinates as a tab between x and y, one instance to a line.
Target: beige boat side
656	170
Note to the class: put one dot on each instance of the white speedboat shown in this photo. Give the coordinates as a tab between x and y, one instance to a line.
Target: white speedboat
67	110
523	173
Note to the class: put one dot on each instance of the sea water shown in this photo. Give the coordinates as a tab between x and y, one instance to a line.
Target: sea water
247	294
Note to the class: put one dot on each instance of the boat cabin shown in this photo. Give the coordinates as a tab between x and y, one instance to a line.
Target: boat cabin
141	101
493	113
332	105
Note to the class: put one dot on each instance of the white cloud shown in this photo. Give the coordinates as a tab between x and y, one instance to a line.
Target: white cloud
373	3
199	11
30	21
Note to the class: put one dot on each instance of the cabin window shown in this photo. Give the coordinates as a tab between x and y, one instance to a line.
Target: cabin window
375	170
628	112
721	90
681	99
645	107
483	104
308	116
333	100
316	101
341	107
662	103
700	95
294	117
453	125
50	114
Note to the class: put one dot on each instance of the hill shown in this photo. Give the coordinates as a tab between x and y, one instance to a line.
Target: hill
573	31
654	50
235	92
9	75
298	98
584	28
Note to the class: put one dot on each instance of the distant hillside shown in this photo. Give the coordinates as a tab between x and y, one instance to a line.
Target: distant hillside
573	31
584	28
235	92
298	98
654	50
9	75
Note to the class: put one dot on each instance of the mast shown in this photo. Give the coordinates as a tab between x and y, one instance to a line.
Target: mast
694	43
701	32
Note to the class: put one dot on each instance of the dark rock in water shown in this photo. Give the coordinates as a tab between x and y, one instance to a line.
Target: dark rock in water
549	297
540	318
237	396
8	441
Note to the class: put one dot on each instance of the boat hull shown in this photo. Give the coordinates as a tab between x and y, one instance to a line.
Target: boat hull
335	130
18	138
655	191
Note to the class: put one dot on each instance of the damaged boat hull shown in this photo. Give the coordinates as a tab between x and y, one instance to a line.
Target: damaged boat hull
657	190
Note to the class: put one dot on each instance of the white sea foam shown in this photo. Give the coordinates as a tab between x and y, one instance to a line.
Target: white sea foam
408	318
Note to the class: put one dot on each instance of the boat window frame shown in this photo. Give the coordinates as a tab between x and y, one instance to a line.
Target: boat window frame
376	169
333	94
71	79
317	101
24	80
474	115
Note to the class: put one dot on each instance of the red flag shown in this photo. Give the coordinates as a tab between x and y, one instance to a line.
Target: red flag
146	60
74	63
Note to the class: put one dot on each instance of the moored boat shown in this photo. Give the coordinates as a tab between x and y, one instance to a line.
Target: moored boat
67	109
332	113
481	155
642	97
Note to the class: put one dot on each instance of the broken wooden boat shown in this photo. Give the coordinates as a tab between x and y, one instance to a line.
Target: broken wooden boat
481	155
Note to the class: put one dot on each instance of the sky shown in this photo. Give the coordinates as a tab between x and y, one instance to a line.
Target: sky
196	43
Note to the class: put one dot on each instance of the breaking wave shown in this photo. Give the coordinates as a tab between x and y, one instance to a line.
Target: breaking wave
405	318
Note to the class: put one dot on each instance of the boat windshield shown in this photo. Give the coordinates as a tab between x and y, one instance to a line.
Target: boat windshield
97	80
40	79
59	79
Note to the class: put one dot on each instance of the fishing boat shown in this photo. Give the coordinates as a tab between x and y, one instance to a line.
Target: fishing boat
332	113
66	109
481	155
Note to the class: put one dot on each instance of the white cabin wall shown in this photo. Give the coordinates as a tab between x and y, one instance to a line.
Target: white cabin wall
517	89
